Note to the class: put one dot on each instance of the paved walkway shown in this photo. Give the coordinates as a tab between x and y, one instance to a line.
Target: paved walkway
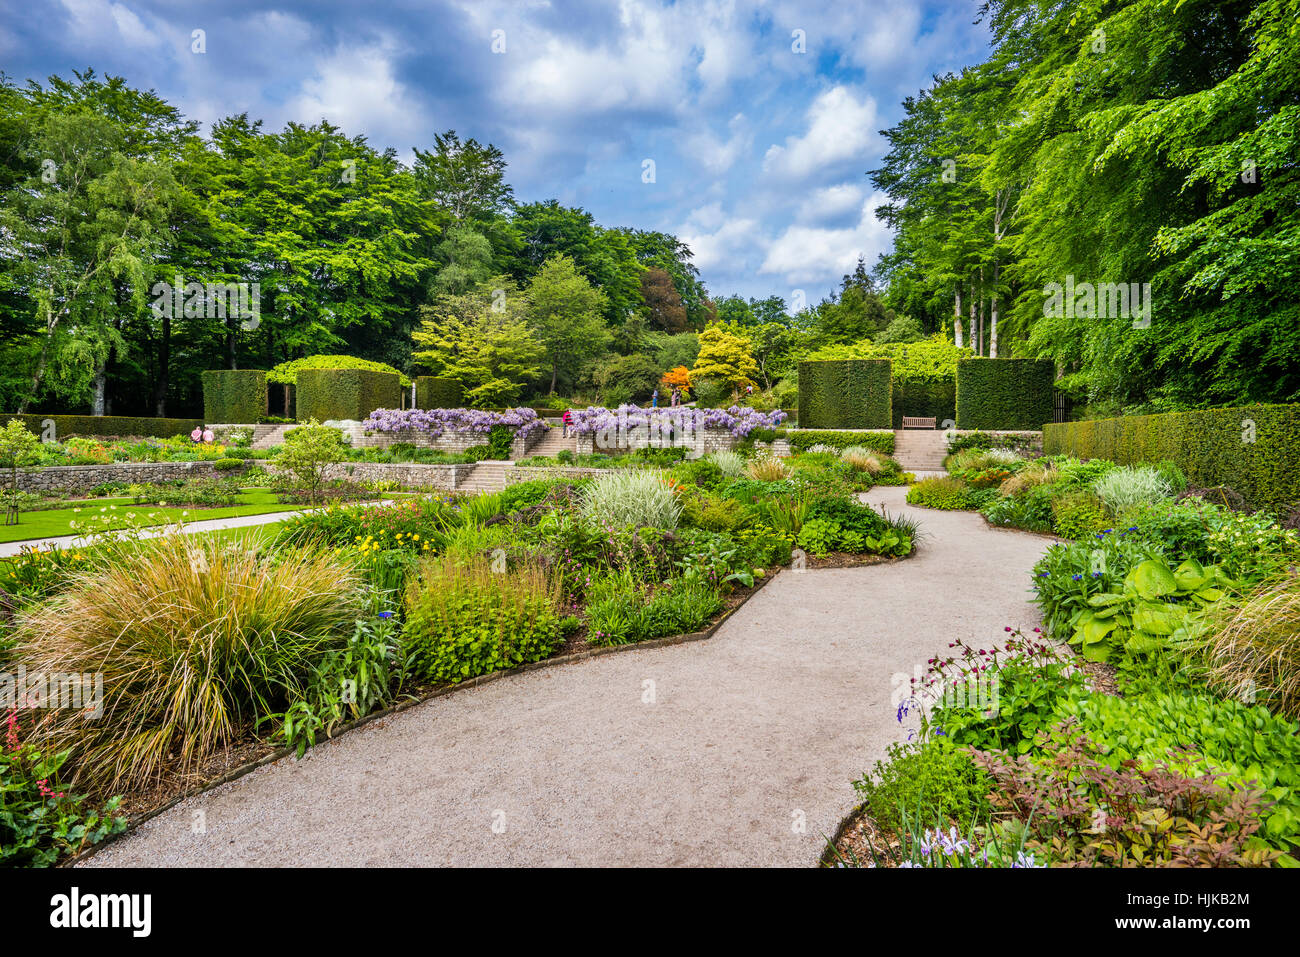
744	757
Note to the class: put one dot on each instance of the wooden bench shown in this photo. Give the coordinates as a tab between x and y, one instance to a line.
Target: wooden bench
916	422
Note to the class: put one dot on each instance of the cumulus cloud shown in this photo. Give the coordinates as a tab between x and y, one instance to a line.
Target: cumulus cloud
840	128
814	254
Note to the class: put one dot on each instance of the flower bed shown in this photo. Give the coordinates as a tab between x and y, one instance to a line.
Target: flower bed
434	422
739	421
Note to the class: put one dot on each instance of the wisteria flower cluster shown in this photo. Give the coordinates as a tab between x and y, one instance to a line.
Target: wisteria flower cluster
738	420
435	422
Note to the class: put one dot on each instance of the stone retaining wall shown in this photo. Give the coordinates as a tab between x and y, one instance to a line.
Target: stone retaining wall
699	441
410	474
514	474
455	442
80	478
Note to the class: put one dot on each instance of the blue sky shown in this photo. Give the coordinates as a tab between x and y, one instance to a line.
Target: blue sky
760	152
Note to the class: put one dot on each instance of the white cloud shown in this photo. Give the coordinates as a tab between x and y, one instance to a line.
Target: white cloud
830	203
840	128
92	19
716	154
718	241
811	254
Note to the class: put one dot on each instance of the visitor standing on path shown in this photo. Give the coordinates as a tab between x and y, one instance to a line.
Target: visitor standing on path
567	419
654	399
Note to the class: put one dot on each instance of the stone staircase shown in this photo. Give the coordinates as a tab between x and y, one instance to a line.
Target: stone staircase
273	435
488	476
920	450
555	441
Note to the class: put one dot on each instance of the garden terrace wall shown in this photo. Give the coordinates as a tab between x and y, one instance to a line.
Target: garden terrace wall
846	394
702	442
409	474
1009	394
119	426
234	395
81	478
515	474
455	442
1252	449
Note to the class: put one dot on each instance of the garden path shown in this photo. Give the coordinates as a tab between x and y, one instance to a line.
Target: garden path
742	755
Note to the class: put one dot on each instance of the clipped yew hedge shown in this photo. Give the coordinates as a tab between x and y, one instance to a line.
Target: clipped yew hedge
66	426
1009	394
801	440
1253	449
435	392
325	394
234	396
846	394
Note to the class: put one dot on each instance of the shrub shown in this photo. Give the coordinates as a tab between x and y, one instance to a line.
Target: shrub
927	780
1253	651
435	392
307	452
218	637
863	460
620	610
711	513
39	823
946	492
104	425
1252	449
1079	515
336	394
846	394
227	465
234	395
1128	486
701	472
286	373
1011	394
463	619
803	440
630	498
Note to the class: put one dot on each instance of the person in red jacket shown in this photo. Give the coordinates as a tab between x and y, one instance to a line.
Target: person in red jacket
567	419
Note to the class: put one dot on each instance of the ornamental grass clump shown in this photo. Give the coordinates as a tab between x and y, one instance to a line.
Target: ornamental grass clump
731	463
1126	486
640	498
1252	652
196	638
864	460
769	468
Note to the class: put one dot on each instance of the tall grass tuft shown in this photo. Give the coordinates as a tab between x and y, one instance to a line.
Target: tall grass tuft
1126	486
769	468
1253	651
628	497
196	638
864	460
731	463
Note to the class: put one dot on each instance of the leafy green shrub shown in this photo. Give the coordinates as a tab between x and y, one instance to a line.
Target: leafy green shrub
1010	394
1079	515
621	610
39	824
927	780
463	619
630	498
1252	449
219	637
1031	511
234	395
307	452
712	513
1127	486
106	425
841	524
948	493
228	464
1241	745
336	394
846	394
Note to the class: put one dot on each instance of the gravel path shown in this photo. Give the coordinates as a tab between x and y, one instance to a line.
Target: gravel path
744	756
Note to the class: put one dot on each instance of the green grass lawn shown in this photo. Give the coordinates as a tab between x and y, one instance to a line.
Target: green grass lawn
56	522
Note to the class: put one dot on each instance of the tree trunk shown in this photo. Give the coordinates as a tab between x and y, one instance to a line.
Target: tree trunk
98	388
555	371
974	339
956	317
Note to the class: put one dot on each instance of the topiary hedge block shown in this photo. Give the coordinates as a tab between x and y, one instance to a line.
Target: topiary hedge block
928	399
66	426
234	396
845	394
1010	394
325	394
435	392
1252	449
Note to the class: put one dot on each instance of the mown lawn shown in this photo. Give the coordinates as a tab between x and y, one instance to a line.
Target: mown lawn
56	522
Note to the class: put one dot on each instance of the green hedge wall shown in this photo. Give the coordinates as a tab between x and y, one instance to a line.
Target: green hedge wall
234	396
325	394
1213	446
845	394
434	392
803	439
66	426
1012	394
930	399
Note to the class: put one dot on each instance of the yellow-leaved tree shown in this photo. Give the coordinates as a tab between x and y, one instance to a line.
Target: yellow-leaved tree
725	358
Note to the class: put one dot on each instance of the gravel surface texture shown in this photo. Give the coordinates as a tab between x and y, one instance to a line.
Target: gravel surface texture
744	756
